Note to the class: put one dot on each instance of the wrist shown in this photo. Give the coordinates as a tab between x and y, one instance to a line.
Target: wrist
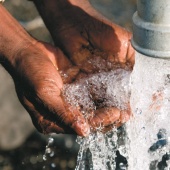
59	15
13	38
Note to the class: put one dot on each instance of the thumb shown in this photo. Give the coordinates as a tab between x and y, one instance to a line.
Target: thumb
75	119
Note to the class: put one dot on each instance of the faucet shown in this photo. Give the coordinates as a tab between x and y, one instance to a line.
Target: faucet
151	28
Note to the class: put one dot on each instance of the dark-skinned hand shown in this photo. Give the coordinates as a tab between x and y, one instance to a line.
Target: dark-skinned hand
37	68
92	43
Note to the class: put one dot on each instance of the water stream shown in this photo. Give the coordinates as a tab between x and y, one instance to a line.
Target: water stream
143	142
149	127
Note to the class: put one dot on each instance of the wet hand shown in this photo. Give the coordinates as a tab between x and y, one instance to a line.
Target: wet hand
38	86
93	44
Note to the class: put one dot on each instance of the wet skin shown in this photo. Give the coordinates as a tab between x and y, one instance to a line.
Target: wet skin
80	34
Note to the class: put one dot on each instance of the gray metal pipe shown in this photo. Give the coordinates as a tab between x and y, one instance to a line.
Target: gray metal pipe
151	28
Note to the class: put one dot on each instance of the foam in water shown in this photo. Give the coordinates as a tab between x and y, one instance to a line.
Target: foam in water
99	90
149	128
98	151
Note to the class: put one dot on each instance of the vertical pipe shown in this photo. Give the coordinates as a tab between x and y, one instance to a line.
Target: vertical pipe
151	28
149	128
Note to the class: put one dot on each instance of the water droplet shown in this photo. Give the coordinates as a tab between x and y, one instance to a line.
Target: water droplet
50	140
138	111
48	150
52	154
53	165
44	157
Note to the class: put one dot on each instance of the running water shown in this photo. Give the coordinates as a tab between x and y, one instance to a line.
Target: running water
99	151
49	152
143	143
149	128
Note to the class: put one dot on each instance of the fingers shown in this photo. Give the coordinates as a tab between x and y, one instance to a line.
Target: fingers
62	112
42	92
104	117
74	118
47	122
43	123
107	118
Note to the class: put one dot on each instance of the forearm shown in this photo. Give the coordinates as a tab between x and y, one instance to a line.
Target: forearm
65	12
75	25
59	15
13	37
74	21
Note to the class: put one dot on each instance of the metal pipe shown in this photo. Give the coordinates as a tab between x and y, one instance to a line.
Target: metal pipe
151	28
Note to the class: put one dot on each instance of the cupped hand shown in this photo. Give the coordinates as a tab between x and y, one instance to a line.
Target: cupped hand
92	43
38	86
83	33
34	68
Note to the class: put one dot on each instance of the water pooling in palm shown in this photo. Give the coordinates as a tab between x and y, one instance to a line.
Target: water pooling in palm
101	91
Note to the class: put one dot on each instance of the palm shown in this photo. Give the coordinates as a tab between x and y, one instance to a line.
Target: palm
38	85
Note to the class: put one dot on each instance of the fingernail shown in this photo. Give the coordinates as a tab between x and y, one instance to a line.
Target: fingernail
81	128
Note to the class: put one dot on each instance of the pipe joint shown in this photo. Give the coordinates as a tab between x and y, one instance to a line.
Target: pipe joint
151	28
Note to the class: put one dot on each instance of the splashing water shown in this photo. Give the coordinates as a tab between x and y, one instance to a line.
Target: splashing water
106	89
49	151
144	141
98	151
149	128
141	144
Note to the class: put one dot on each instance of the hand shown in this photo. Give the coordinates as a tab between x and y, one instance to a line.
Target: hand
38	86
88	38
34	69
80	31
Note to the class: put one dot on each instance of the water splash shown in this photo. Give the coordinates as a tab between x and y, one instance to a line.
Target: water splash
106	89
49	151
144	141
99	151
